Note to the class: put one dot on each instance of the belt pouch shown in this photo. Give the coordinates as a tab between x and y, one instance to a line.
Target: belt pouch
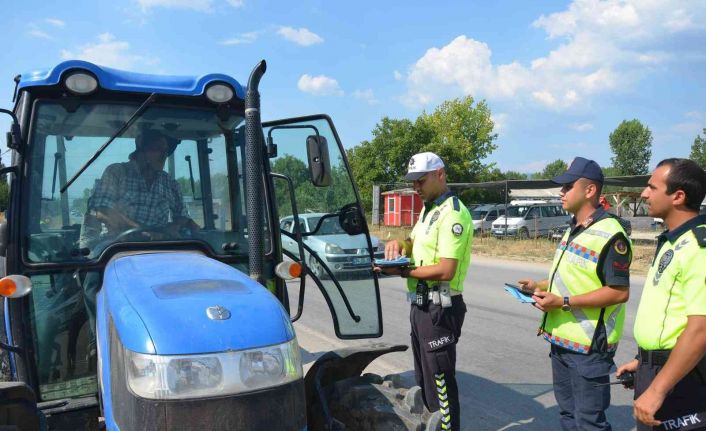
445	296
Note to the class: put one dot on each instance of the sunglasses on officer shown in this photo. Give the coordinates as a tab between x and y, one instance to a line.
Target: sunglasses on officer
565	188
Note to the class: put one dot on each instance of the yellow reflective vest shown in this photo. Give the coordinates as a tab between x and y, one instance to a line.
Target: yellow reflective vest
574	272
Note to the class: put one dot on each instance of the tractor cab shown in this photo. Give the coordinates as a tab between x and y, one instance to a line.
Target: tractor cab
144	225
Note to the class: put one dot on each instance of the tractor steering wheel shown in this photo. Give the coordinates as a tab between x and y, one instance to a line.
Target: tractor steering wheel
135	231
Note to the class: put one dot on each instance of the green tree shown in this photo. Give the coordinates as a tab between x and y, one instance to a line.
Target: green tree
555	168
4	195
610	171
514	175
459	131
462	136
384	158
631	143
295	169
698	150
4	191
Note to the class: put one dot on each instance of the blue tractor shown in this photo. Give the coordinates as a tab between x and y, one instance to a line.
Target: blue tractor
175	325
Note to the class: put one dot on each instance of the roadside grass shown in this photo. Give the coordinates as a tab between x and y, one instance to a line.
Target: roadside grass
532	250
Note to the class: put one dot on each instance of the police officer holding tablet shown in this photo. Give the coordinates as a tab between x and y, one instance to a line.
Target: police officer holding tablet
583	300
670	326
440	250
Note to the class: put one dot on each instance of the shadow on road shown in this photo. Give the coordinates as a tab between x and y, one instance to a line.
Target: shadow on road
493	406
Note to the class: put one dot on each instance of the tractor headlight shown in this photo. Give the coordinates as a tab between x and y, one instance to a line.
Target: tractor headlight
219	93
212	375
81	83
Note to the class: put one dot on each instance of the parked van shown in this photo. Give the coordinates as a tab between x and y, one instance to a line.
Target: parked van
483	216
530	220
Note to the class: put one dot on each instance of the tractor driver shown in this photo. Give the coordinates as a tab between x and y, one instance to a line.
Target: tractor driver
139	193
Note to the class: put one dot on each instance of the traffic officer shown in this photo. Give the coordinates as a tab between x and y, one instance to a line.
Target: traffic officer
583	300
440	251
670	326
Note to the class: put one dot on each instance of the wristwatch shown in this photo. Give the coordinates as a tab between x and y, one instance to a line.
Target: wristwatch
404	272
566	306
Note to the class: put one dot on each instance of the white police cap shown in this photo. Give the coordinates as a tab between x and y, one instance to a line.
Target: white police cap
421	164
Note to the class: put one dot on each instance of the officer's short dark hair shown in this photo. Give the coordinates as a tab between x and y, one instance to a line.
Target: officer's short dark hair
686	175
599	187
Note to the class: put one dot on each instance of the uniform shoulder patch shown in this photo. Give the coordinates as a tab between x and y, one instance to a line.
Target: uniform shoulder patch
621	247
700	234
457	204
457	229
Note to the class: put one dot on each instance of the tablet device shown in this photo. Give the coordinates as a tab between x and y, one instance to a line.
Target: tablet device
518	294
384	263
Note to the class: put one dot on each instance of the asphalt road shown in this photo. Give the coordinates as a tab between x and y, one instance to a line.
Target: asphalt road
503	368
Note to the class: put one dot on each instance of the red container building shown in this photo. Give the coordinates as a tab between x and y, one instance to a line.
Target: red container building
402	207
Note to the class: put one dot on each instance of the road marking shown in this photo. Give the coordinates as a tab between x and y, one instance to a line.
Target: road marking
519	423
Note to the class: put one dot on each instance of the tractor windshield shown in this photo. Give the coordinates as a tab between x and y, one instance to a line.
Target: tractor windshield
174	175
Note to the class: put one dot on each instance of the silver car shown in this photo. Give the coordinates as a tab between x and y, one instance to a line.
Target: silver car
483	216
340	252
530	220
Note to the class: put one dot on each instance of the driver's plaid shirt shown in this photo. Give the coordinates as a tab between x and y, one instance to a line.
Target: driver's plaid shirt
123	188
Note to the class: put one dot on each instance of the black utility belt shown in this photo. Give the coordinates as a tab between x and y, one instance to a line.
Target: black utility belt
653	357
435	294
659	358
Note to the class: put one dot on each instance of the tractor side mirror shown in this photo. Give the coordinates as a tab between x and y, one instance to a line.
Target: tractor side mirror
319	165
351	219
14	136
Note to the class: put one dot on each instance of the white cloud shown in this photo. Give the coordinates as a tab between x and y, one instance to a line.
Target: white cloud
602	45
41	32
236	3
545	97
197	5
35	32
300	36
695	123
583	127
55	22
397	75
244	38
321	85
108	51
366	95
696	115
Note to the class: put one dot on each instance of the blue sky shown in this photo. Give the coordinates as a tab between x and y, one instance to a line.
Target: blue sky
559	76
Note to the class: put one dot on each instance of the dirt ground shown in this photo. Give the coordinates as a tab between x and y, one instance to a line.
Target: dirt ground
532	250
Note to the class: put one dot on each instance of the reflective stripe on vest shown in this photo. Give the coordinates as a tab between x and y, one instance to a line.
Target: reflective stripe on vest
574	272
588	327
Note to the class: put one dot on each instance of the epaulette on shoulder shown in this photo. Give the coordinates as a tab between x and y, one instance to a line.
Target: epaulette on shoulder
456	204
625	224
700	234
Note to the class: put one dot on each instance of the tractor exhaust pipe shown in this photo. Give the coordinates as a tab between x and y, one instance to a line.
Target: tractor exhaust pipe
254	156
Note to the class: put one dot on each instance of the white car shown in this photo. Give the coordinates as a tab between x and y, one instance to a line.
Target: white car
340	252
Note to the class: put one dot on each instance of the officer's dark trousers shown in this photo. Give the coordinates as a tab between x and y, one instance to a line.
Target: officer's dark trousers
683	409
435	332
582	405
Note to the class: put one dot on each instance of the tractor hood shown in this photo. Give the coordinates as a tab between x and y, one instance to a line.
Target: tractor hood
186	303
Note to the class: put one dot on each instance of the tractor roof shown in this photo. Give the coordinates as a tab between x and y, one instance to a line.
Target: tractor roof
120	80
